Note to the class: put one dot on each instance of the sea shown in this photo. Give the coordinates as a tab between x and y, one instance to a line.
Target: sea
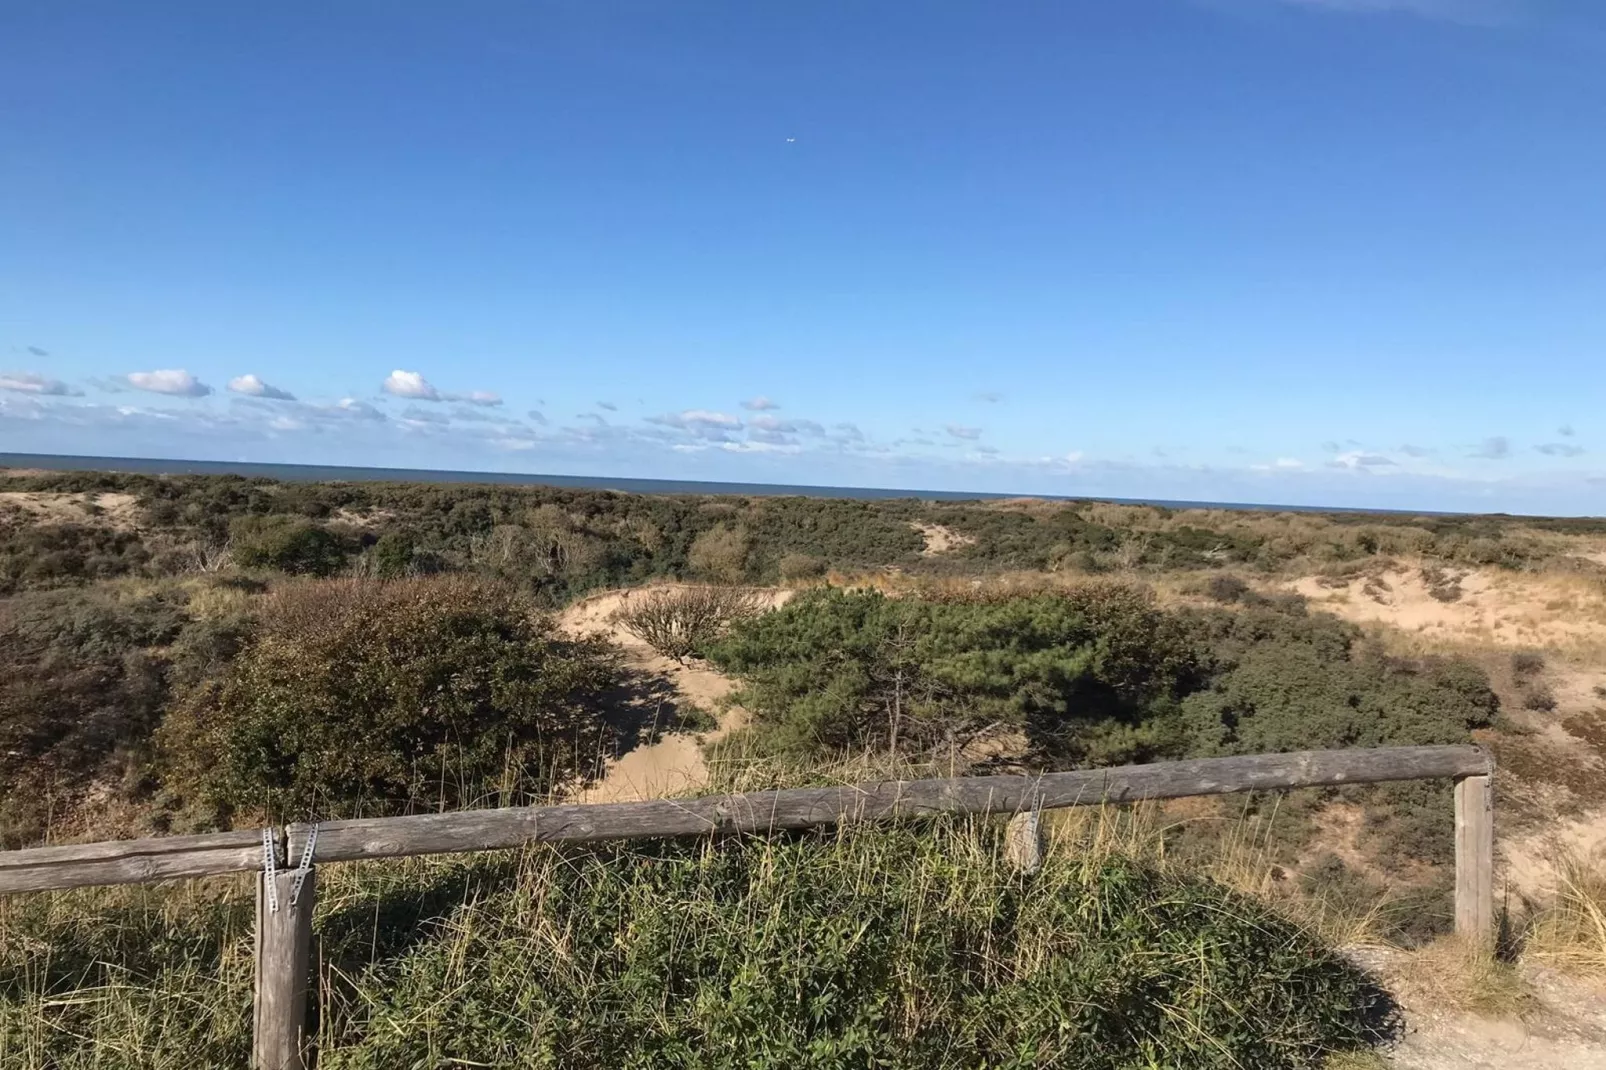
331	473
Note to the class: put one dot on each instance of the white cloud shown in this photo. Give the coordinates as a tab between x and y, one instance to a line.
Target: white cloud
287	423
1358	460
360	409
1065	462
173	381
516	444
1416	451
759	404
252	386
788	427
1281	464
710	419
759	447
700	422
969	434
34	383
404	384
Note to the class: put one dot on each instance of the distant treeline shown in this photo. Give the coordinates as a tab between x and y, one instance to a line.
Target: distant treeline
562	541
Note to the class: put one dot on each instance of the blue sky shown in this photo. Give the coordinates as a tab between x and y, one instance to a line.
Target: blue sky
1341	252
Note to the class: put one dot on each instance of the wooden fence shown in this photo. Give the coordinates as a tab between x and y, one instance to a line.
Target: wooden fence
286	858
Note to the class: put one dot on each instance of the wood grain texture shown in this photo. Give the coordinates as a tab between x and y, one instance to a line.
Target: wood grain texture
1024	845
479	830
40	869
283	965
1474	858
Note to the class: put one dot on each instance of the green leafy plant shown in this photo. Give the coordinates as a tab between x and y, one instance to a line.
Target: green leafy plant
360	696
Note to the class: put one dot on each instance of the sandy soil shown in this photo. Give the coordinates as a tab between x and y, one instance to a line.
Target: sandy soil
116	510
1563	1028
940	540
1504	609
674	763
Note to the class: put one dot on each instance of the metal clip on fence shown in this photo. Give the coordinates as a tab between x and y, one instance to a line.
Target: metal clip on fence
306	864
269	850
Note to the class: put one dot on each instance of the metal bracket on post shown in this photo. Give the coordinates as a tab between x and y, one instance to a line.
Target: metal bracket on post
285	901
306	864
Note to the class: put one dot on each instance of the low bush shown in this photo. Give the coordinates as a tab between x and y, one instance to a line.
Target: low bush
680	622
375	697
1084	673
1527	663
83	687
1537	697
720	554
1096	675
287	544
1226	589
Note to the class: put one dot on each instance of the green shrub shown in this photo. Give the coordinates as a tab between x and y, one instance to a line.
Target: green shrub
1527	663
287	544
1094	676
392	556
1085	673
81	692
1286	681
1226	589
355	695
37	555
720	554
795	566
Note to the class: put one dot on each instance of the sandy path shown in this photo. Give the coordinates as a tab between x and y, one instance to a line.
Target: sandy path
1563	1027
674	764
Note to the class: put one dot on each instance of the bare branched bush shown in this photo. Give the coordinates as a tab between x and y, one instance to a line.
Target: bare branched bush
679	621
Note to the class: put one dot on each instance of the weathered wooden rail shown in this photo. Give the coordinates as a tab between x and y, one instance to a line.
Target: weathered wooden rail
285	898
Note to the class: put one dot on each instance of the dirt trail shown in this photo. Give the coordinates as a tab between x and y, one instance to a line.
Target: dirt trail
1562	1028
674	763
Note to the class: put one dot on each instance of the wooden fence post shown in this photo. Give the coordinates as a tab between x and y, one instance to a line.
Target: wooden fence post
1474	858
1023	843
284	961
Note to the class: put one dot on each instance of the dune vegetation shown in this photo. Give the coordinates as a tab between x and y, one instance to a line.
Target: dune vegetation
190	653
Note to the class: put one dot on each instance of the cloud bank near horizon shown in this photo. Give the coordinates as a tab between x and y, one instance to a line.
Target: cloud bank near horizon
257	420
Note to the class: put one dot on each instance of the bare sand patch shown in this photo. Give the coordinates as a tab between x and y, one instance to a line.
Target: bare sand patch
940	540
356	519
108	508
1500	609
672	764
